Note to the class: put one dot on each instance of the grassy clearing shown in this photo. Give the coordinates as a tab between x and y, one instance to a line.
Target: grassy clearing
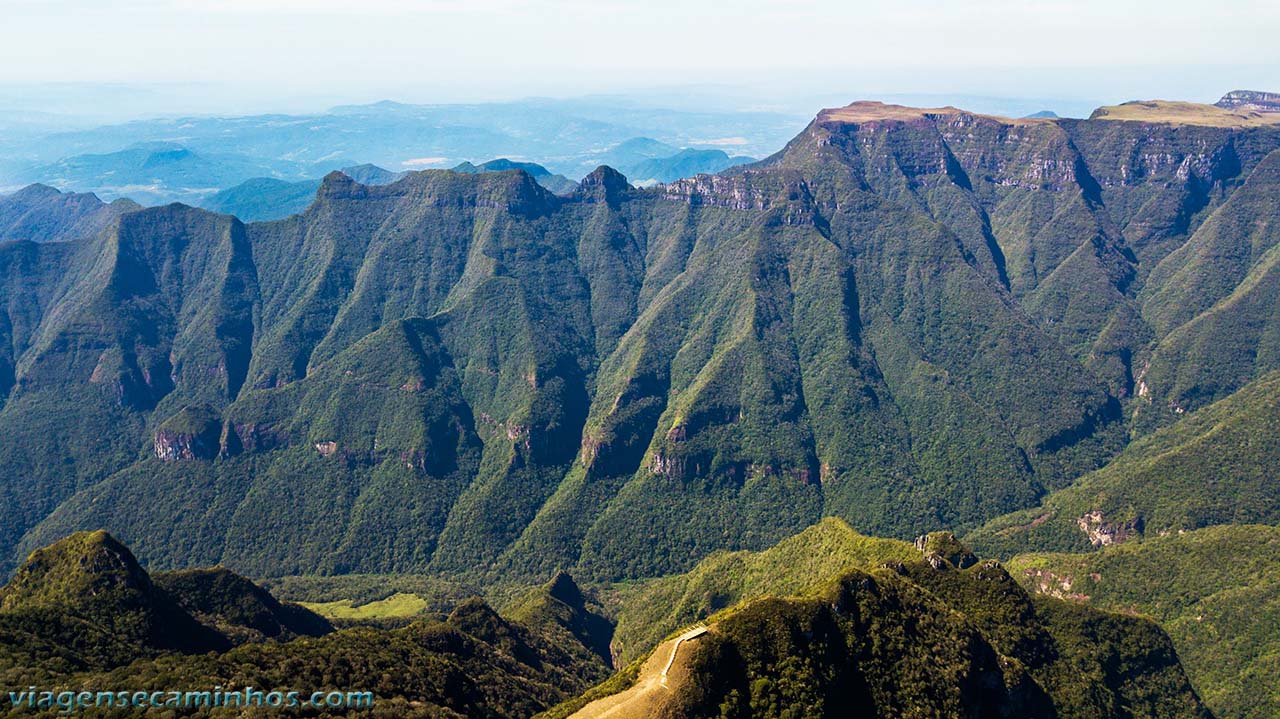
1184	113
396	606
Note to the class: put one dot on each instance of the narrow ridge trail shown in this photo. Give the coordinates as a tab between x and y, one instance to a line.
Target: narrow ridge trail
651	687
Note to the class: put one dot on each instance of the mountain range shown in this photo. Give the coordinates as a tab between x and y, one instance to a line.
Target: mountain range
158	172
731	398
188	159
907	318
686	163
934	633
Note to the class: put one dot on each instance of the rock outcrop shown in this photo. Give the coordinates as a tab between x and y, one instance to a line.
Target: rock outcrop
1250	100
942	550
1103	532
194	433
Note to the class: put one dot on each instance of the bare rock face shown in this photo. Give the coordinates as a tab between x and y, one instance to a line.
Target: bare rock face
194	433
604	185
672	468
176	446
1250	101
1062	586
748	191
943	551
252	437
1103	533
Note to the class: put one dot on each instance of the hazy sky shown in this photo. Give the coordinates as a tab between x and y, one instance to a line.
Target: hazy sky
296	51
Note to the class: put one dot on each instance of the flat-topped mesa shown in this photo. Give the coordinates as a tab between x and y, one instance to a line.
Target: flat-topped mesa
888	145
869	111
1250	101
1171	112
514	191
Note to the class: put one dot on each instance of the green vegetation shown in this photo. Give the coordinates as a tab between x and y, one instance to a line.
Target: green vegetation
40	213
261	199
238	608
651	610
85	604
366	588
1216	591
558	184
561	606
911	640
82	613
910	633
1184	113
396	606
1214	301
890	322
620	681
686	163
1215	466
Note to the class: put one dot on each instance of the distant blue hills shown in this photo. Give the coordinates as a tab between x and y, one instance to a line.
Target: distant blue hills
196	159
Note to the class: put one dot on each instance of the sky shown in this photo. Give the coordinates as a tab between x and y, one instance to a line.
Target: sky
286	55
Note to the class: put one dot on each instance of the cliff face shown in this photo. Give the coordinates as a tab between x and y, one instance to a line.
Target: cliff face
1073	217
1251	100
194	433
907	318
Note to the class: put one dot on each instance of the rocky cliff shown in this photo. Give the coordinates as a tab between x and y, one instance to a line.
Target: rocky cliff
908	318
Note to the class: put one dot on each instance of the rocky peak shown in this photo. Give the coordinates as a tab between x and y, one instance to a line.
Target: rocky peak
478	619
604	184
338	186
942	550
517	192
38	191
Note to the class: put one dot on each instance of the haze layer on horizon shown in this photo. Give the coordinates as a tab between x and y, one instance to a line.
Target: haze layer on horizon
136	57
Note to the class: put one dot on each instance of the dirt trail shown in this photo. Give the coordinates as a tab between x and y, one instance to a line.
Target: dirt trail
650	689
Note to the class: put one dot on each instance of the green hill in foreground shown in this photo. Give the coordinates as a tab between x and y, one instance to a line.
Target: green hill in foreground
1216	591
891	638
922	631
653	609
82	614
84	604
